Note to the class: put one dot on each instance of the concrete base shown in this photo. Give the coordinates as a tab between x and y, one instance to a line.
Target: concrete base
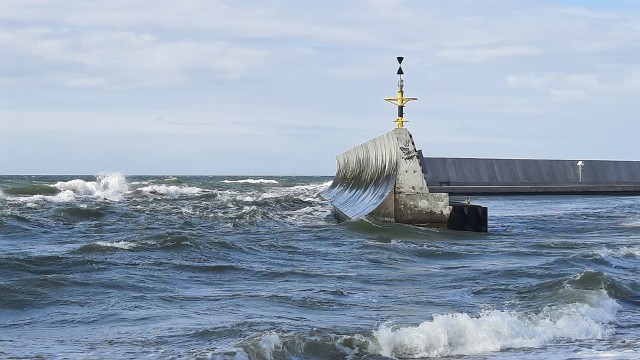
416	209
428	208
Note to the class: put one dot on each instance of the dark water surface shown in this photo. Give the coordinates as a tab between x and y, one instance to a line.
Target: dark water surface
237	268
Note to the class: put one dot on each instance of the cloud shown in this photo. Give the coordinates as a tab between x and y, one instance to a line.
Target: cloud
578	86
129	58
234	70
479	54
567	95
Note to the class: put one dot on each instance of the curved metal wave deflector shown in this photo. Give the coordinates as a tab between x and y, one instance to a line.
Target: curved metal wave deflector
365	176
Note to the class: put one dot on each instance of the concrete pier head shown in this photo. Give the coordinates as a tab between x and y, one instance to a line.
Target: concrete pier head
383	179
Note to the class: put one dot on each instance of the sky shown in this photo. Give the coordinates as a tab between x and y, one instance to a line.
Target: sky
280	87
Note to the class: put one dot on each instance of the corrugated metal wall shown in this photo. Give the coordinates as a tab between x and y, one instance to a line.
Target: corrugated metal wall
512	172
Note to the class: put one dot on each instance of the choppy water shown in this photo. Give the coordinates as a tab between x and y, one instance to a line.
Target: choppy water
237	268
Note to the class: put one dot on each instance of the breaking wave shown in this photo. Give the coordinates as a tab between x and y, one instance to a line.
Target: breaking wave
495	330
110	186
123	245
454	334
171	190
591	316
625	251
250	181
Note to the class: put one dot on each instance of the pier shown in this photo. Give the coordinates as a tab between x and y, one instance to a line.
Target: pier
388	179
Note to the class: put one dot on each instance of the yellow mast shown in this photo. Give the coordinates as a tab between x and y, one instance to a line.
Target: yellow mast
400	100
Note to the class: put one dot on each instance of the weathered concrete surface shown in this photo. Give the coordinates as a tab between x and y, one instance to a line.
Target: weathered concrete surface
383	179
422	208
471	176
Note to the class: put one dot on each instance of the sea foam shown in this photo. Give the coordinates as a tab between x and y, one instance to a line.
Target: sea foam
124	245
625	251
250	181
495	330
111	186
171	190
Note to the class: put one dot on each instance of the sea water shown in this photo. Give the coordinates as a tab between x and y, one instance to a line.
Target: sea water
164	267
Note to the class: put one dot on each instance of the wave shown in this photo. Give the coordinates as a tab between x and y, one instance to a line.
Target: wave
111	186
625	251
61	197
32	190
250	181
454	334
172	180
171	190
317	187
81	213
105	246
154	242
283	205
495	330
122	245
591	316
634	223
315	345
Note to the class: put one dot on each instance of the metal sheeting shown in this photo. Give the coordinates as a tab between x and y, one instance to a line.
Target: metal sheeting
471	176
365	176
513	172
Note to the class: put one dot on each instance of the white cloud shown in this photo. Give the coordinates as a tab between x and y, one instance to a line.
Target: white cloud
576	86
479	54
129	58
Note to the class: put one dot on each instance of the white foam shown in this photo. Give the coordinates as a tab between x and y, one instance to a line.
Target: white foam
461	334
320	187
111	186
622	252
124	245
632	223
629	251
140	183
250	181
33	200
270	342
171	190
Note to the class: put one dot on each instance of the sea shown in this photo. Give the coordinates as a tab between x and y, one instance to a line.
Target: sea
116	266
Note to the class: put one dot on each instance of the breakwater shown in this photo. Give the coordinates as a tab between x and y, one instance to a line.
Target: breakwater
473	176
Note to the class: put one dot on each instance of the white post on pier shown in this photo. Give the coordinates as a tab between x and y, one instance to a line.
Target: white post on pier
580	166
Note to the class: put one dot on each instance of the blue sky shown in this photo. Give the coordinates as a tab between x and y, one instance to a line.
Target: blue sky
281	87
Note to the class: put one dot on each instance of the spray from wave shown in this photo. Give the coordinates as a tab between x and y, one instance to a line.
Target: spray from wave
107	186
110	186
